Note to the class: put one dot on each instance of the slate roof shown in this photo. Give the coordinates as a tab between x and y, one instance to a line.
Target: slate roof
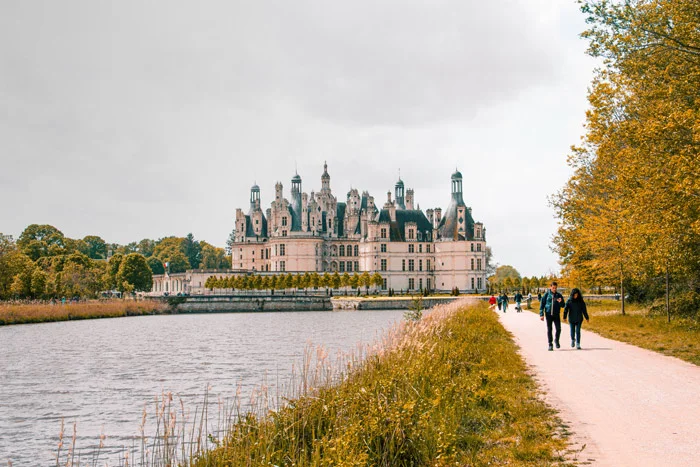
397	229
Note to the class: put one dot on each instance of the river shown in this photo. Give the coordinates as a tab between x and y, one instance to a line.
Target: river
101	374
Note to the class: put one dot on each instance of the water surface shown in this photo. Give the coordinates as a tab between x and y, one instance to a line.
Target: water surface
101	373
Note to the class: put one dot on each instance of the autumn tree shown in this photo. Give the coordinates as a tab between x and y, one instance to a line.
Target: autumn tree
631	210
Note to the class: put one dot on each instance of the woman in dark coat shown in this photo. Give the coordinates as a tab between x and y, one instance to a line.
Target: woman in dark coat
575	308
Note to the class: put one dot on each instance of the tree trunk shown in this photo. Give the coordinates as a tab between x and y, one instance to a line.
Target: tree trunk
622	289
668	307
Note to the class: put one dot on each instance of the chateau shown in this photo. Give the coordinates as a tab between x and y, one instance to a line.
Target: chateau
315	232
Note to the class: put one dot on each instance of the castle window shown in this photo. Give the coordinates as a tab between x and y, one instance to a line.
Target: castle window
282	249
383	264
382	248
472	247
420	264
257	221
472	283
411	283
284	233
420	236
384	283
420	283
478	247
349	266
283	266
284	220
478	264
478	233
411	265
420	248
341	250
357	250
427	248
411	249
341	265
410	234
357	265
403	264
427	264
472	264
480	284
349	250
383	233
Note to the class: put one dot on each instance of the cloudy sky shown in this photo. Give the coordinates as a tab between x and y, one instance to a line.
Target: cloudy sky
142	119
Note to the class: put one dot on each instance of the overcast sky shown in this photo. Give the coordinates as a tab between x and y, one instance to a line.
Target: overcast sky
142	119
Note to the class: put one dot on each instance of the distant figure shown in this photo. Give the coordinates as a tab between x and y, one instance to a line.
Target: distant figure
518	300
539	296
575	308
500	301
529	300
504	302
63	300
492	301
551	304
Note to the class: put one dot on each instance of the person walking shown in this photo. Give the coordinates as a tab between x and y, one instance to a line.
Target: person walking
550	306
492	301
575	308
504	302
518	300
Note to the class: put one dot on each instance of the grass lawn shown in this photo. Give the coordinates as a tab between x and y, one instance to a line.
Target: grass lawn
680	338
448	390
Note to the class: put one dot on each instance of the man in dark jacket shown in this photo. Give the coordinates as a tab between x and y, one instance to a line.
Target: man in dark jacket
550	306
518	300
576	310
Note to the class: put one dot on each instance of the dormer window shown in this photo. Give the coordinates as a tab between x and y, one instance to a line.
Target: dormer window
284	221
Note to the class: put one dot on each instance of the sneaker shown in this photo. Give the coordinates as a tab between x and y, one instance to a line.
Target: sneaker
550	347
573	344
557	344
578	346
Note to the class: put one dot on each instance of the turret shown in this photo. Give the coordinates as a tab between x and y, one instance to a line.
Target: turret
254	198
325	179
399	194
409	199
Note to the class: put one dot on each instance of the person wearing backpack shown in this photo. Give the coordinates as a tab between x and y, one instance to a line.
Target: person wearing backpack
575	308
550	306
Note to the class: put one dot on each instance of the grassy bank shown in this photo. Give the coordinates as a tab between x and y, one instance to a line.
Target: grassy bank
680	338
11	313
449	390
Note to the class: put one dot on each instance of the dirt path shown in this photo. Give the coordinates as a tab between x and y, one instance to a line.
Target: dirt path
629	406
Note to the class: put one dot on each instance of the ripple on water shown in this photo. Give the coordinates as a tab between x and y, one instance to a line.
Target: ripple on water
101	374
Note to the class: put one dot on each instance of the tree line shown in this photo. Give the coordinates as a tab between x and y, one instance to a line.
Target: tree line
296	281
629	214
43	263
506	279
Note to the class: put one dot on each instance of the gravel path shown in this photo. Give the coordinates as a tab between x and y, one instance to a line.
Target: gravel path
629	406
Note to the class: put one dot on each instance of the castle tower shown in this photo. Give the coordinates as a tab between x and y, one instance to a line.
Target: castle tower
325	180
457	187
409	199
296	202
254	197
399	194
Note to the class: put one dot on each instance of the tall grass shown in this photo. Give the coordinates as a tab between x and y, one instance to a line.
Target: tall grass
449	389
21	313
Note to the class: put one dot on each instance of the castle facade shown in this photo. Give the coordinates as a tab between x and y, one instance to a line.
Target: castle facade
412	250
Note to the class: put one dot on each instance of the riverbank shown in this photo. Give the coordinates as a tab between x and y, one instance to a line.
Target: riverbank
24	313
450	389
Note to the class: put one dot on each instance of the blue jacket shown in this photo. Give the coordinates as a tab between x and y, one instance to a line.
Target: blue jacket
550	305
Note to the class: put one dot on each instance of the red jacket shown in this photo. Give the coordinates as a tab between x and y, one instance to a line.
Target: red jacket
492	300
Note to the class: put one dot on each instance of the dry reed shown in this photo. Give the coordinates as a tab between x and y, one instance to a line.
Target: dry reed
22	313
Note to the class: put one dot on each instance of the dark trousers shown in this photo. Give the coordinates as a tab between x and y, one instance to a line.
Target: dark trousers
575	331
557	325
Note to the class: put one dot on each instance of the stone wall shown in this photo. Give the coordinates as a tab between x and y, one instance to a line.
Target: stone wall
242	303
388	304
